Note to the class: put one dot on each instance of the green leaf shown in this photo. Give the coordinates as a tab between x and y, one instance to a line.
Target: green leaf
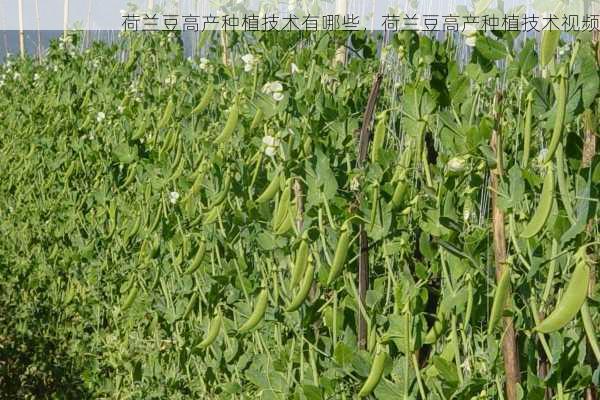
548	46
446	369
492	49
387	390
325	176
124	154
343	354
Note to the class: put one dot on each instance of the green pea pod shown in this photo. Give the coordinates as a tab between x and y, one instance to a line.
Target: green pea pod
436	330
469	309
171	137
378	138
156	279
500	297
196	185
222	195
588	326
287	223
422	126
282	207
572	299
178	171
527	131
131	174
156	218
130	298
178	162
298	300
197	261
205	100
374	206
213	332
399	193
271	190
142	128
131	59
562	184
375	374
543	210
257	119
300	264
190	306
112	216
559	121
134	229
167	114
212	216
341	253
259	312
230	125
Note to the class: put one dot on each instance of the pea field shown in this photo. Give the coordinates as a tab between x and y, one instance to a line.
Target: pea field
293	215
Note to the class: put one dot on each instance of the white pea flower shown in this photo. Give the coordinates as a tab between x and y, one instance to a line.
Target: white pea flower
457	164
270	151
542	155
295	68
250	62
203	63
17	76
470	37
120	109
355	184
100	116
269	140
171	79
173	197
271	144
274	89
36	77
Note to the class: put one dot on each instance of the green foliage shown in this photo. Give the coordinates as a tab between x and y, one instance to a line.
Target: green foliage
131	230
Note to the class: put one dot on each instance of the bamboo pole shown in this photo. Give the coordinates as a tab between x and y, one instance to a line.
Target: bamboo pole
589	151
509	340
340	54
21	32
39	33
363	258
65	18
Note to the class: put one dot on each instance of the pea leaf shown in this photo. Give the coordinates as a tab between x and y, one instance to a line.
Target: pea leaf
492	49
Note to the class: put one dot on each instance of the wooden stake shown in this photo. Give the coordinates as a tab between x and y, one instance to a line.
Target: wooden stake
66	18
39	33
21	31
340	54
588	153
363	258
225	58
509	340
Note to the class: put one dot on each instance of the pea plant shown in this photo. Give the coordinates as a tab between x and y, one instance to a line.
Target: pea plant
292	215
